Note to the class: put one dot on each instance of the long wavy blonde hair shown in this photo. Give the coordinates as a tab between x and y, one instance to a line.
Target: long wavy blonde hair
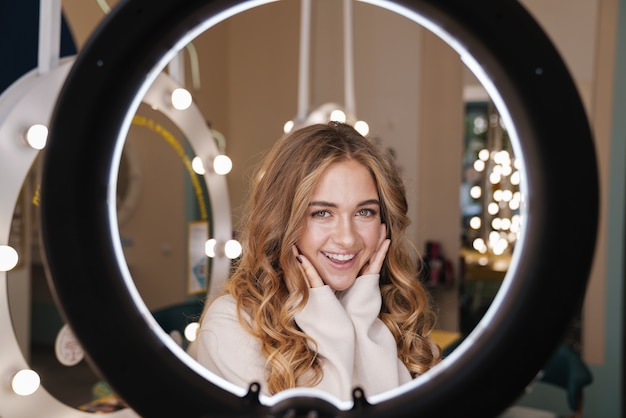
275	219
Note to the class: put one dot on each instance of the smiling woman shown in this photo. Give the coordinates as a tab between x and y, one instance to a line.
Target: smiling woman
326	285
527	80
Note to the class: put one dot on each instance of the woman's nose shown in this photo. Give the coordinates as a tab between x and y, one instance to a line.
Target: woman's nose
344	234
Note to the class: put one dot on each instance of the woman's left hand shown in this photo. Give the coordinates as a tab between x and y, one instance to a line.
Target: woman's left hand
375	263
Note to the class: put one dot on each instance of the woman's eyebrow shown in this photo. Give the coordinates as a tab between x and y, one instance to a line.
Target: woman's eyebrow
370	202
334	205
323	203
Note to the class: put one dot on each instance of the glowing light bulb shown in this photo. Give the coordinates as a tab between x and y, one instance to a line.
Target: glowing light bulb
500	246
8	258
493	208
515	178
209	247
37	136
479	245
483	154
232	249
191	331
494	178
288	126
338	115
25	382
502	157
198	166
479	165
222	165
181	99
362	127
476	192
475	222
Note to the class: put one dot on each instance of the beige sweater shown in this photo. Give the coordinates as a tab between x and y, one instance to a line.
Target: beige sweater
355	347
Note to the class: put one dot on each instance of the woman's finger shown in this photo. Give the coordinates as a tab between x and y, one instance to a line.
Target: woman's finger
310	273
376	262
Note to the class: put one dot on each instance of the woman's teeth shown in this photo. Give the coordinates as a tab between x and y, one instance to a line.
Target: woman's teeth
339	257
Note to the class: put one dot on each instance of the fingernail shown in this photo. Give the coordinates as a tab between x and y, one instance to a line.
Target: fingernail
299	259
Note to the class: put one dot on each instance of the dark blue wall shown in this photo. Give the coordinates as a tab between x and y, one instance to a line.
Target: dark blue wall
19	39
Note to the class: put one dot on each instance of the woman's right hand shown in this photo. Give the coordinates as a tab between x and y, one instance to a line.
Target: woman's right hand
311	275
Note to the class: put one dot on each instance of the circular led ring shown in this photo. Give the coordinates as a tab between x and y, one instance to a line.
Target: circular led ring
544	287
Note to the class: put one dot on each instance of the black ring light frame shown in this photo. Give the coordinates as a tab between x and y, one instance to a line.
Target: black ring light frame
544	287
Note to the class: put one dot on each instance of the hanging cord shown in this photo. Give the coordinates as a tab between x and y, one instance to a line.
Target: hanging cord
195	65
191	49
305	50
49	35
104	6
348	54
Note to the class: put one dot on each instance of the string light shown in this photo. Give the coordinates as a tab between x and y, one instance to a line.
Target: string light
495	231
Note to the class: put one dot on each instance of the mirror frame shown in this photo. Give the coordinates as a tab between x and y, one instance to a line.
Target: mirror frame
533	90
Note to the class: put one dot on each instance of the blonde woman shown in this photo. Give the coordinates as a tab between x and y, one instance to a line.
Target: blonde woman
325	294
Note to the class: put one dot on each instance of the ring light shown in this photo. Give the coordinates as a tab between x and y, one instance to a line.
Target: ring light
544	287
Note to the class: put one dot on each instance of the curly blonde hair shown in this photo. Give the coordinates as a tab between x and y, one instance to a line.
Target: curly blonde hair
274	221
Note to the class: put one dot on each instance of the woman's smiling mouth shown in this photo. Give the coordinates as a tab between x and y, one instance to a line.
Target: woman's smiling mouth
339	257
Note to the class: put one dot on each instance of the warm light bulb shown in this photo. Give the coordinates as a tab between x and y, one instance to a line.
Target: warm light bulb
8	258
494	178
493	208
338	115
479	245
288	126
479	165
209	247
198	166
25	382
191	331
232	249
181	99
222	165
362	127
500	246
502	157
475	222
515	178
514	204
476	192
37	136
483	154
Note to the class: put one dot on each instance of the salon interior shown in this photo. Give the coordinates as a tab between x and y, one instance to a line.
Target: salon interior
244	83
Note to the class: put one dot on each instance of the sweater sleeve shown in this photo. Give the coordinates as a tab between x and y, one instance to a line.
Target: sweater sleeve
325	320
375	345
224	347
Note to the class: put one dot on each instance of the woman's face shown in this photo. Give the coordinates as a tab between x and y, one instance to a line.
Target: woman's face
342	224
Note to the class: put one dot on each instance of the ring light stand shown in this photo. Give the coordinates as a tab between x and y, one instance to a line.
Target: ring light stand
526	78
